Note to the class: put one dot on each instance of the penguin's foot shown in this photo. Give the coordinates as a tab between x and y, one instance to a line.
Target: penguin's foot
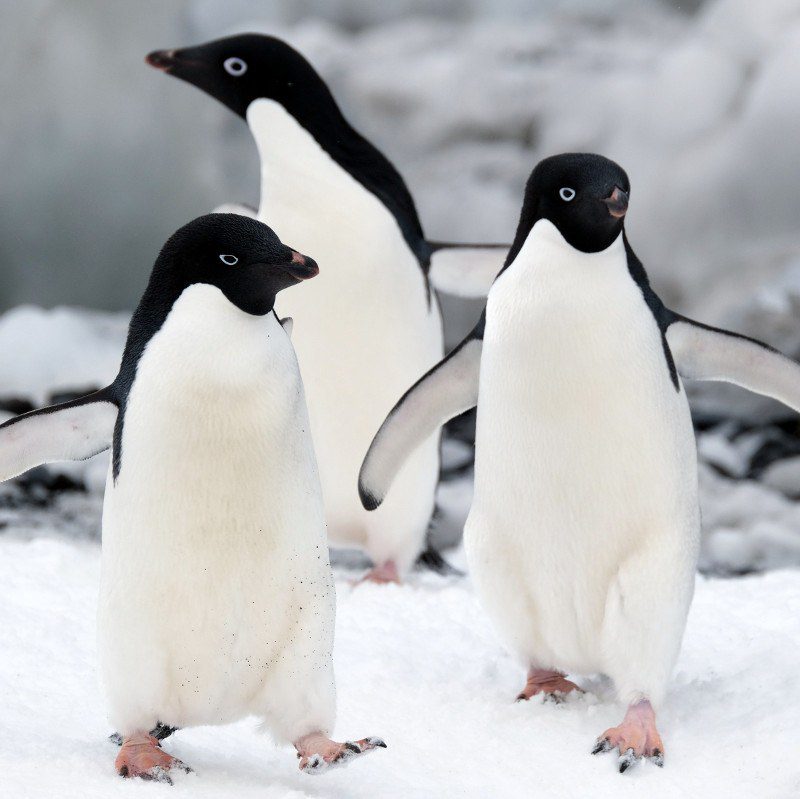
382	574
635	738
141	755
318	753
551	683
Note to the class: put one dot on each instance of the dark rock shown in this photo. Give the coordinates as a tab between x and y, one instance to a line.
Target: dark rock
15	405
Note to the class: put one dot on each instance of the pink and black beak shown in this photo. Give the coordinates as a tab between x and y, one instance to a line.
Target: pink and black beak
161	59
301	267
617	203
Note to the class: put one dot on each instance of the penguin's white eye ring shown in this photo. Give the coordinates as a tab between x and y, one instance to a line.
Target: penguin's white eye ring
235	66
566	194
229	260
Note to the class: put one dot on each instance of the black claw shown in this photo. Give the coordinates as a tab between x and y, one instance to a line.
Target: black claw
380	742
353	747
123	772
658	758
602	745
556	697
156	774
627	760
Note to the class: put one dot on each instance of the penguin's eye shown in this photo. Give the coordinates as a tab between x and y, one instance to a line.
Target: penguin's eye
235	66
229	260
566	194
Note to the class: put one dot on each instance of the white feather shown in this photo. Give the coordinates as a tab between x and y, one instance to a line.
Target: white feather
703	353
365	330
72	433
583	534
287	323
217	599
447	390
466	271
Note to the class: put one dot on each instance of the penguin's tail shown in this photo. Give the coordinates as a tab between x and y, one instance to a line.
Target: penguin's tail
432	559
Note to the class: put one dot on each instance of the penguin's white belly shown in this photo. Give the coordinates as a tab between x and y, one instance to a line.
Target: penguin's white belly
585	459
364	330
214	553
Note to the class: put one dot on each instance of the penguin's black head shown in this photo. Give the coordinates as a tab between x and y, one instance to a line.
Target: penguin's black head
240	256
240	69
584	195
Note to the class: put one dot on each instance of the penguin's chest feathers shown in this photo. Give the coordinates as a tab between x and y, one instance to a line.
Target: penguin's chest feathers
575	370
581	324
215	442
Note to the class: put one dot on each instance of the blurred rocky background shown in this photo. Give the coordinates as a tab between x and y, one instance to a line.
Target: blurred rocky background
102	158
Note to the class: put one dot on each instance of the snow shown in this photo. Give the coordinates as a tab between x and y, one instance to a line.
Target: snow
420	666
57	350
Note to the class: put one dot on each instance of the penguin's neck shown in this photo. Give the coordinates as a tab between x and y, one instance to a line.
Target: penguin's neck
209	342
339	171
547	258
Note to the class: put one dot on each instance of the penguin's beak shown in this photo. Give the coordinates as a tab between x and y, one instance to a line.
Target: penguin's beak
301	267
161	59
617	202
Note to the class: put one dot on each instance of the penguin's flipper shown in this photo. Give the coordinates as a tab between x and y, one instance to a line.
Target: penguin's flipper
287	323
465	270
447	390
709	353
72	431
236	208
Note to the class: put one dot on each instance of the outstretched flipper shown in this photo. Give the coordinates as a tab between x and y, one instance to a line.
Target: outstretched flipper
465	270
450	388
709	353
236	208
72	431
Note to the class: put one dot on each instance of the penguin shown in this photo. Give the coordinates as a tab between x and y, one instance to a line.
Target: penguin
217	599
582	538
377	324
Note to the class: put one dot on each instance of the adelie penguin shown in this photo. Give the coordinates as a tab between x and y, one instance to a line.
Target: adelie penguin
582	538
217	599
377	324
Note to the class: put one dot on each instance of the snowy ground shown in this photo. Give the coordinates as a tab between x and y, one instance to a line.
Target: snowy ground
420	666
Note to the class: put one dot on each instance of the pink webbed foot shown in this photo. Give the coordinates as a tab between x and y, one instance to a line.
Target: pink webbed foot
141	756
318	753
553	684
635	738
381	574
